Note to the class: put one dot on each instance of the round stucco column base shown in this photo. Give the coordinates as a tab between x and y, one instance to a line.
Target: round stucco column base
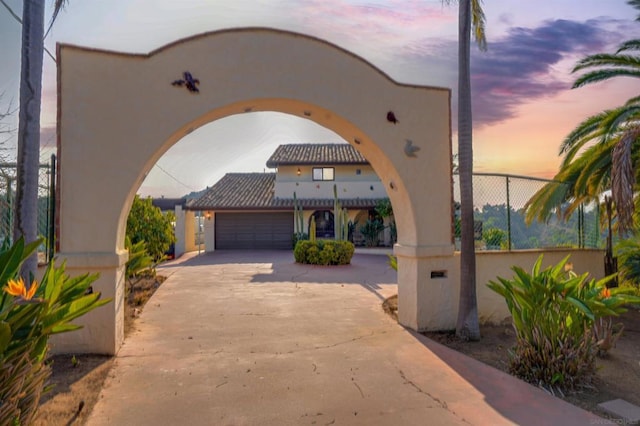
428	282
103	328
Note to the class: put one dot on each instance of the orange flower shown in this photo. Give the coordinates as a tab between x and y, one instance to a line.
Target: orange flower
18	289
605	293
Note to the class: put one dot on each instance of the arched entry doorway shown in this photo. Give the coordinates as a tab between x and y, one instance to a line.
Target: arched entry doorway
118	113
324	223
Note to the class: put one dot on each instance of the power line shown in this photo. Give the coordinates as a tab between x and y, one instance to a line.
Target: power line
174	178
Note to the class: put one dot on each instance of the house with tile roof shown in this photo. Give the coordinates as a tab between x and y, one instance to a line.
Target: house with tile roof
256	210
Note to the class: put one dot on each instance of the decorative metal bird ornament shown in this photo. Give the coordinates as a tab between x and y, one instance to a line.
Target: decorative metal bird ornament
409	149
188	81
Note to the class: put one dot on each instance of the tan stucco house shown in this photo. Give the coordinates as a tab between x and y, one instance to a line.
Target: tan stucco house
256	210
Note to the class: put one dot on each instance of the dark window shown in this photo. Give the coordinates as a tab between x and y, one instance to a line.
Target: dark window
324	223
323	173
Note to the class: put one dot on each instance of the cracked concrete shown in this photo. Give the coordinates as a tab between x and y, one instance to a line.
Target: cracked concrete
229	340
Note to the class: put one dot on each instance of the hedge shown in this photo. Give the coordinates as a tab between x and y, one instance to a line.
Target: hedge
324	252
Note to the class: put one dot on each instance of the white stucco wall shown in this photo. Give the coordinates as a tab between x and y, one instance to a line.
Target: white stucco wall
348	182
210	232
439	297
179	246
492	264
122	110
191	231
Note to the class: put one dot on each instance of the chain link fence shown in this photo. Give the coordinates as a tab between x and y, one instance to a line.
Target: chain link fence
46	205
499	201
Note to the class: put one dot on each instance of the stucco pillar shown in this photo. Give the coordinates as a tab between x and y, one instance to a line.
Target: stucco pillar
190	231
103	328
209	232
427	287
180	232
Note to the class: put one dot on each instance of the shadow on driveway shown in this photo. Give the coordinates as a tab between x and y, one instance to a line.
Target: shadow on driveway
367	270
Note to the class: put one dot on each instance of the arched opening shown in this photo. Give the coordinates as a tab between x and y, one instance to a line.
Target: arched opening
104	124
324	223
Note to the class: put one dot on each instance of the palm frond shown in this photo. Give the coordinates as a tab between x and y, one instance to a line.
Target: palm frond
619	119
600	179
594	170
478	23
601	128
589	130
636	5
607	65
629	45
578	148
546	202
577	182
58	5
604	74
607	59
622	179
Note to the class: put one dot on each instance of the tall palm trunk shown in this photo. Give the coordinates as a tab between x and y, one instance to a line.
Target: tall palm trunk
26	205
467	326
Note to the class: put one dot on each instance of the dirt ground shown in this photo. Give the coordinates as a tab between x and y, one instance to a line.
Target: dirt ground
78	379
617	376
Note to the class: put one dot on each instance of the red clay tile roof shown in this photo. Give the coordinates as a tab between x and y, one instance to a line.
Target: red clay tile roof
328	154
254	191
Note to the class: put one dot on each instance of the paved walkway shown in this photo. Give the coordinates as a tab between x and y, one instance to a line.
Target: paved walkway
251	338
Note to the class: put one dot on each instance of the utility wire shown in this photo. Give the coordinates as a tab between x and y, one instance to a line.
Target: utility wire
17	18
172	176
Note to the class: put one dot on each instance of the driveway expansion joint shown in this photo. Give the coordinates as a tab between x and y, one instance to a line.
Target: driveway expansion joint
442	404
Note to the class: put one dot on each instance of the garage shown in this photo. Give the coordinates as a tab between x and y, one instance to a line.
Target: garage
268	230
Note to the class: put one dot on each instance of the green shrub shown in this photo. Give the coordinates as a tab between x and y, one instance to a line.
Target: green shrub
299	236
324	252
494	237
393	262
371	232
628	253
554	312
29	314
139	265
147	223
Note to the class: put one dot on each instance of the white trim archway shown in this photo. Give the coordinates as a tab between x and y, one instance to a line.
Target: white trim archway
119	113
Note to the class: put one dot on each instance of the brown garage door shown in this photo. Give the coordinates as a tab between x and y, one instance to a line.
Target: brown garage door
254	230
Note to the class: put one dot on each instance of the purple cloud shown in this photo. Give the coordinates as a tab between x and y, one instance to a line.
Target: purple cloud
520	67
523	65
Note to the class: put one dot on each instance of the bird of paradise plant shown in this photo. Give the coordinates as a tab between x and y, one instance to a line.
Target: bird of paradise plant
29	314
556	316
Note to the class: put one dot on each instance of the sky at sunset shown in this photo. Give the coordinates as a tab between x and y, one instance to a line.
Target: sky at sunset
522	102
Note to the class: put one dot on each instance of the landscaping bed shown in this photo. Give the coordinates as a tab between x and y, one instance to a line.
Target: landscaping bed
617	376
78	379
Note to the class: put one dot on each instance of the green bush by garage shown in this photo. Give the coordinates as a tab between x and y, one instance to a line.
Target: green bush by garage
324	252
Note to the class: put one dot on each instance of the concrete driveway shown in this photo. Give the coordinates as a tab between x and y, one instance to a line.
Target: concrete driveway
251	338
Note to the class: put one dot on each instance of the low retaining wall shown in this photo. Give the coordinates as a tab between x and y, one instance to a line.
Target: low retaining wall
492	308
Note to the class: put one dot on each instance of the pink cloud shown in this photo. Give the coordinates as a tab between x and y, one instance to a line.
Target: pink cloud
391	25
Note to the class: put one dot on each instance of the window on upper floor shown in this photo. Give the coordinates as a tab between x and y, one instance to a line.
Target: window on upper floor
323	173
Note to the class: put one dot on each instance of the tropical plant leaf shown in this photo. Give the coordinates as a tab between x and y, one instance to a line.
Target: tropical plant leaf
5	336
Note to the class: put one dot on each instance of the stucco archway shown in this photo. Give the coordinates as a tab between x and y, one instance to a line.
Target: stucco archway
118	113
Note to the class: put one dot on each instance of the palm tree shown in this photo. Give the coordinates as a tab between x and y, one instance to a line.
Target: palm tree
602	153
26	206
471	16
